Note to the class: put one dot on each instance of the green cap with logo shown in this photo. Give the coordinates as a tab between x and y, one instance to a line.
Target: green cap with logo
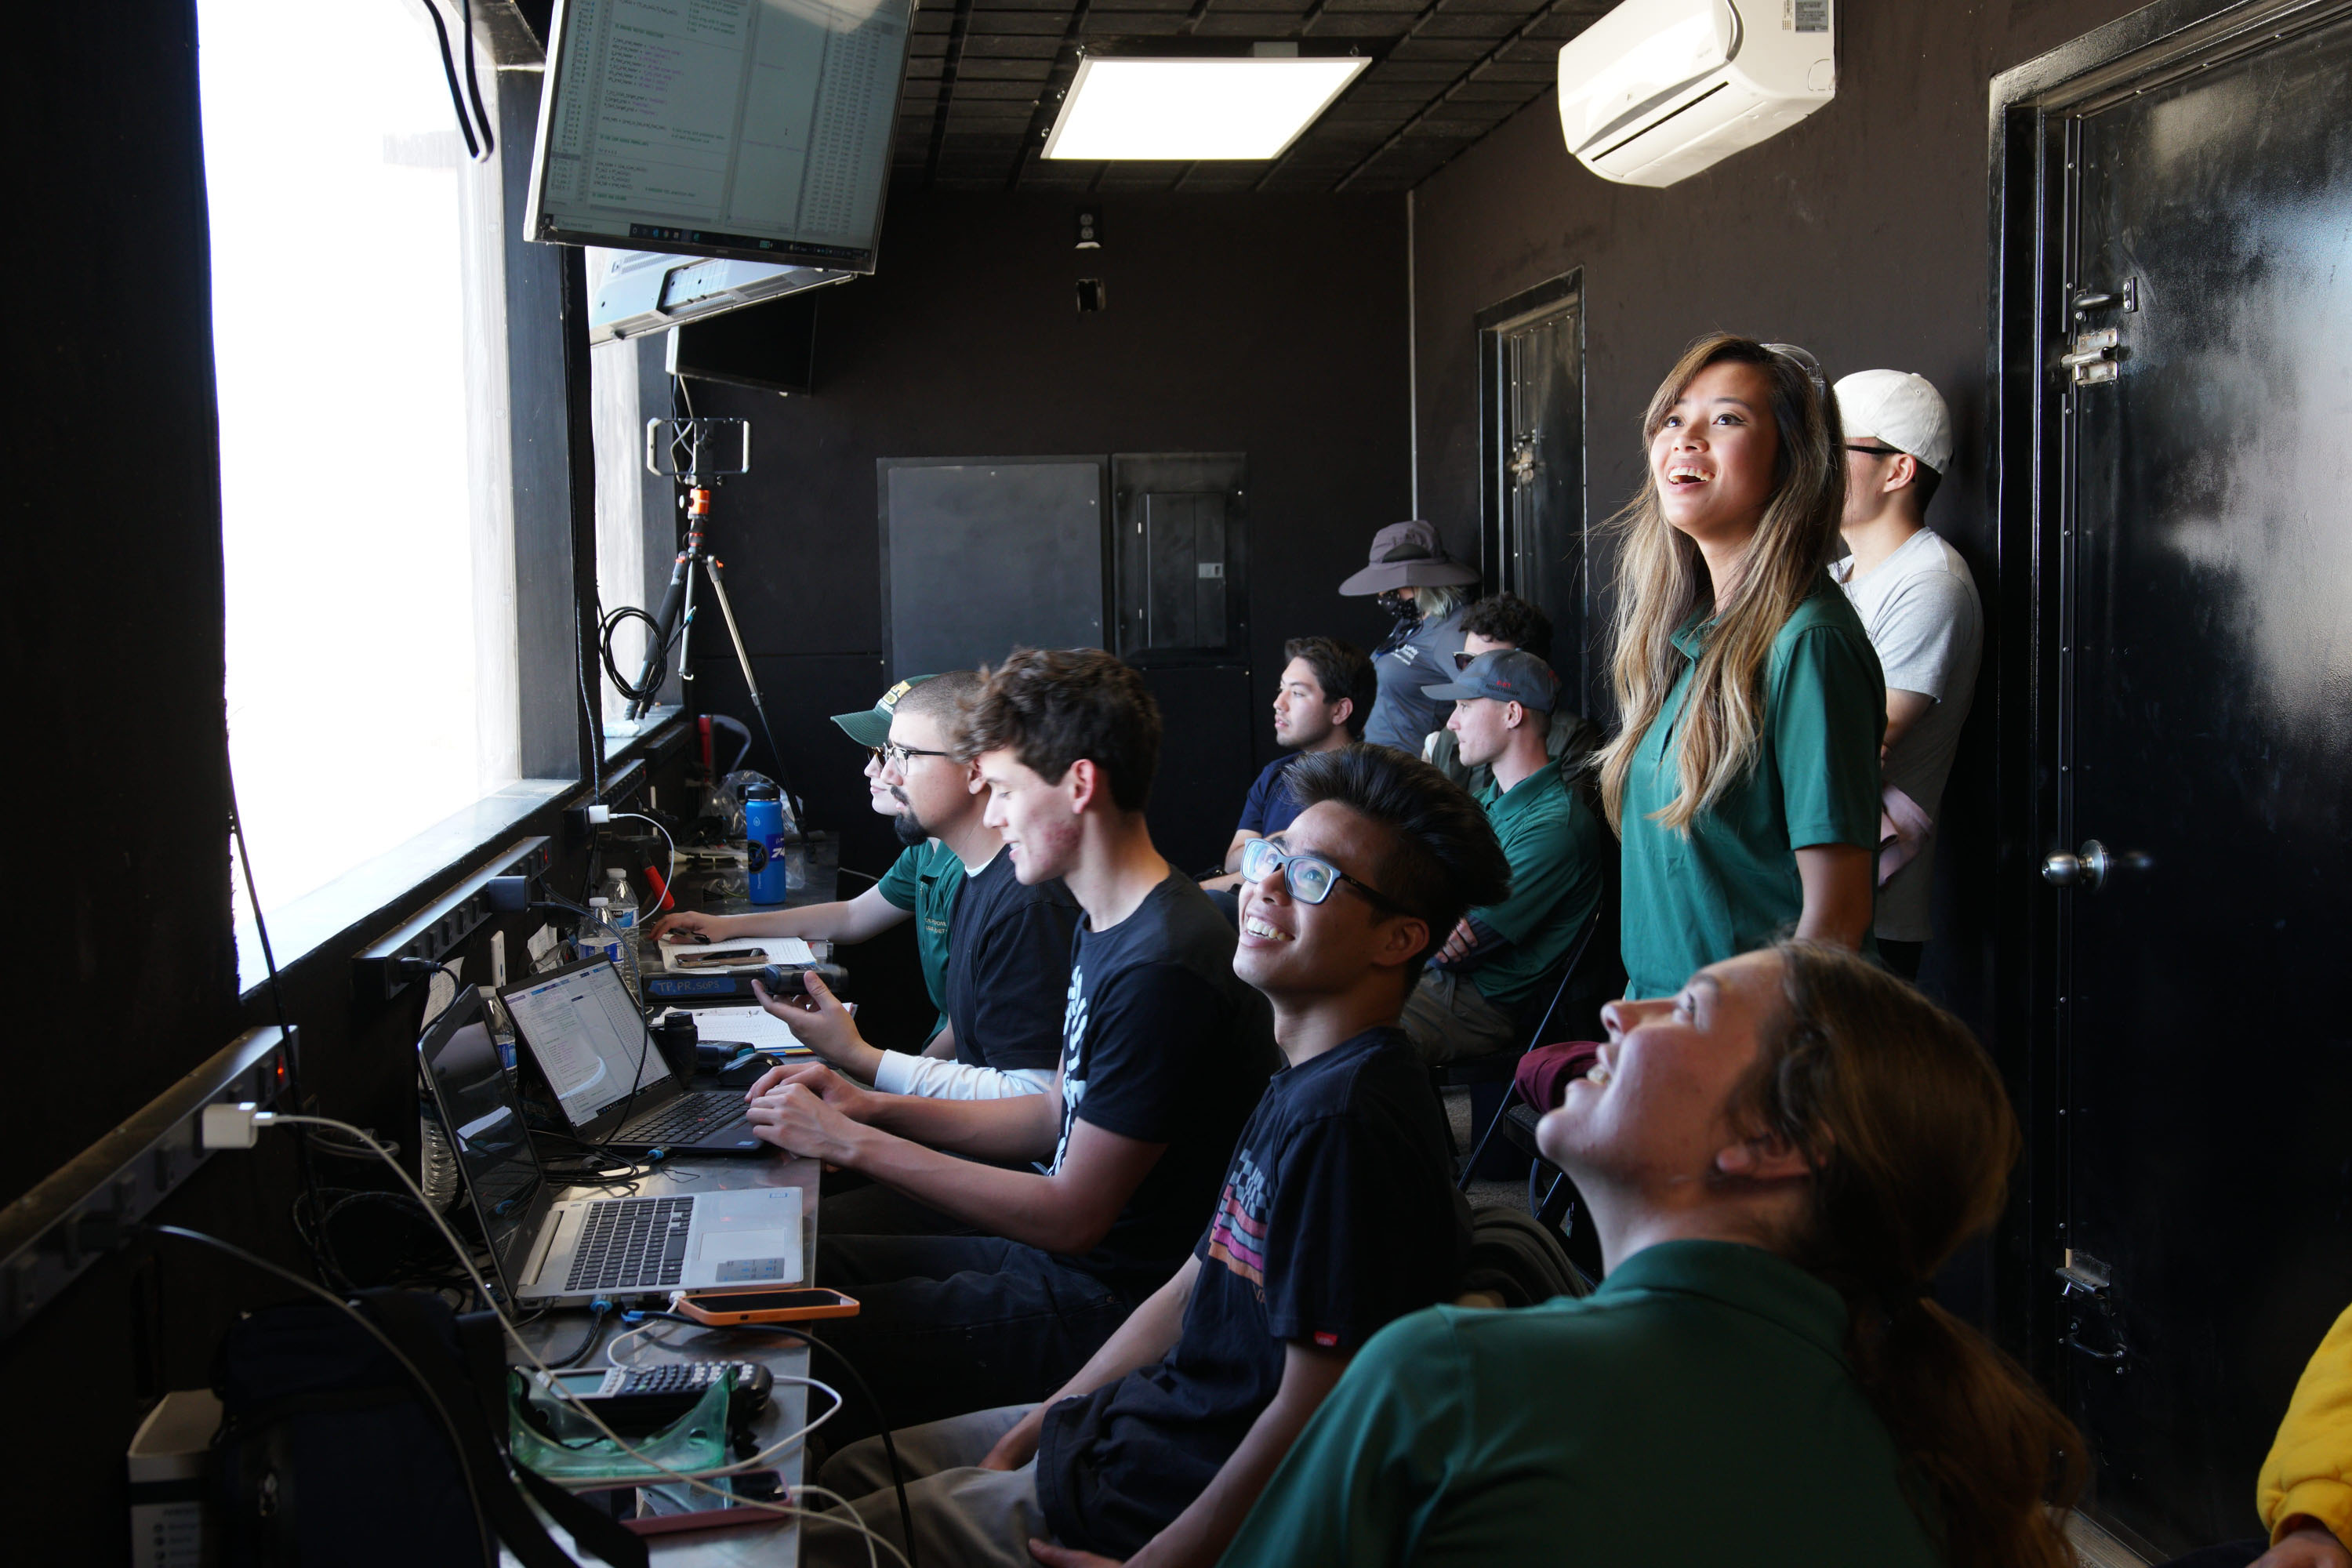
872	727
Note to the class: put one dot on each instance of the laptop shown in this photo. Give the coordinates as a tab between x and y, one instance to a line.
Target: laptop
589	1041
546	1253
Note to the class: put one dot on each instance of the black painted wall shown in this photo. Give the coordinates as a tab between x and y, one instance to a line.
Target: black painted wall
1862	233
117	640
1270	326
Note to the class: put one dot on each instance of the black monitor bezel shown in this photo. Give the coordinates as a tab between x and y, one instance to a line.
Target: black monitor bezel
525	1224
649	1092
538	227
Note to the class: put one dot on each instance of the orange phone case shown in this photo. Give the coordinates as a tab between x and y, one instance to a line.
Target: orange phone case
683	1302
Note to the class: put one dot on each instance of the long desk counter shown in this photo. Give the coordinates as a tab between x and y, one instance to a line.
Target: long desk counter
769	1544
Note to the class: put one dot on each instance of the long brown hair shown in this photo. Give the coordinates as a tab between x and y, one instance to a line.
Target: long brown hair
1663	581
1910	1135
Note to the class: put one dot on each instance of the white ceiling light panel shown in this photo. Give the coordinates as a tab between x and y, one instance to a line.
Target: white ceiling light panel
1199	107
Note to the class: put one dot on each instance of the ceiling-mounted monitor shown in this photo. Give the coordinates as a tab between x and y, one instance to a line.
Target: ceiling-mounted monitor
757	130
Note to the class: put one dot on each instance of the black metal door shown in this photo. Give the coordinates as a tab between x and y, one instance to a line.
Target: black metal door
2201	371
1533	349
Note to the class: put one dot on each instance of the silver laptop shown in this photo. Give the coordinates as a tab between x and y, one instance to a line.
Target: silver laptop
547	1253
588	1039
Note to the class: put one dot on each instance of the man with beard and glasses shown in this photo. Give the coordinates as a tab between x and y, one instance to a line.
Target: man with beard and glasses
1006	945
995	957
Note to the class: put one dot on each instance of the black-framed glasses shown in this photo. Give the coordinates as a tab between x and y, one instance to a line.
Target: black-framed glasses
1311	877
890	752
1875	451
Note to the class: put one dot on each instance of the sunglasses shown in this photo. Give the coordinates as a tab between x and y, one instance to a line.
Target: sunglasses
1805	362
1311	878
1874	451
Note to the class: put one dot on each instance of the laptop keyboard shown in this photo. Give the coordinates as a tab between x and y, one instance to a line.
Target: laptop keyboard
631	1244
686	1119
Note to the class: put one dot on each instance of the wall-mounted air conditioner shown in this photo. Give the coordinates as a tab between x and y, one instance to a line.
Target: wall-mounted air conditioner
1658	89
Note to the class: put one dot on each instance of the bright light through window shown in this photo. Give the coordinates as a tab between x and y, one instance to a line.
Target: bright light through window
1194	109
366	512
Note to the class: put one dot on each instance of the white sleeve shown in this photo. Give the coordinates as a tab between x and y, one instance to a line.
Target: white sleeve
933	1078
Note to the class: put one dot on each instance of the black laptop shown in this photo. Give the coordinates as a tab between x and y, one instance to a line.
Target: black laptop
590	1043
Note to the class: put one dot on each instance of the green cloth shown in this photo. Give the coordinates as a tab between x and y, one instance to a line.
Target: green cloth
1696	1408
926	880
1558	850
1729	885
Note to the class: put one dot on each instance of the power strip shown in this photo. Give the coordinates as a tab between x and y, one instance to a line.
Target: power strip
79	1213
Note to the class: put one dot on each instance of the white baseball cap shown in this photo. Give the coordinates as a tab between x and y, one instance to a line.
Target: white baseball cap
1901	409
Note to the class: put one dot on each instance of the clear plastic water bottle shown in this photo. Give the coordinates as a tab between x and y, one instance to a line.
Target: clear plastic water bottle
622	902
597	939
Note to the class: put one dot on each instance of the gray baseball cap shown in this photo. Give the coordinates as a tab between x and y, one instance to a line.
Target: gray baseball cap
1506	675
1407	555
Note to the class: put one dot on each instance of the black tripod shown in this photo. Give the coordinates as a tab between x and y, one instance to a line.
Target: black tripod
674	619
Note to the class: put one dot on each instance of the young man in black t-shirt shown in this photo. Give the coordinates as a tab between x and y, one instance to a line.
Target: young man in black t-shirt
1164	1053
1007	964
1337	1215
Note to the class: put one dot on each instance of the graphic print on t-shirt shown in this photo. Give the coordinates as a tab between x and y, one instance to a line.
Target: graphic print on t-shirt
1074	1064
1237	1235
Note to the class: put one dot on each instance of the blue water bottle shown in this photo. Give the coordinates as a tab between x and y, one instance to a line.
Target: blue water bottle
763	830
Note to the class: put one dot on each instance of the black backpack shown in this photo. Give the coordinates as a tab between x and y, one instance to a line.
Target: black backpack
329	1452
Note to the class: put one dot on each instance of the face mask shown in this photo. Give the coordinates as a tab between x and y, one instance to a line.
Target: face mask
1397	603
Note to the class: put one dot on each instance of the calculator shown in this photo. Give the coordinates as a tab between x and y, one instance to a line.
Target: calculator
642	1398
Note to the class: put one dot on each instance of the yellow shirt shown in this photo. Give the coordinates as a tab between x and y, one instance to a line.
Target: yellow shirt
2309	1471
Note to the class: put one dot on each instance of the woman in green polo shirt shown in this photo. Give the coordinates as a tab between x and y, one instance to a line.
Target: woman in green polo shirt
1777	1163
1745	781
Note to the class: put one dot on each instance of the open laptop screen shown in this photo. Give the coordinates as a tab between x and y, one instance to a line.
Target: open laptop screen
484	1123
588	1038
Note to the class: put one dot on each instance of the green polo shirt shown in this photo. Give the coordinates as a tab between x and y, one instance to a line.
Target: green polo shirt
1698	1408
926	880
1729	885
1557	849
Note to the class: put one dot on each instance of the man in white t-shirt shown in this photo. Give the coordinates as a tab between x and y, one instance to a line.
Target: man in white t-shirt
1919	605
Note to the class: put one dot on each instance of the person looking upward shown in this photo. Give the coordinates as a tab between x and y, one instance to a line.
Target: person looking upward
1777	1161
1100	1186
923	883
1744	783
1919	605
1325	697
1337	1215
1489	964
1424	588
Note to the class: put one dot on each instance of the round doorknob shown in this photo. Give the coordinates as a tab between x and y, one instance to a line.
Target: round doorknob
2086	870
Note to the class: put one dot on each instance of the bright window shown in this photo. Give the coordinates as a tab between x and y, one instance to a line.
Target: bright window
367	511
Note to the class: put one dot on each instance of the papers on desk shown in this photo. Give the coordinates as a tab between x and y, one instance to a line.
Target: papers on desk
750	1025
715	957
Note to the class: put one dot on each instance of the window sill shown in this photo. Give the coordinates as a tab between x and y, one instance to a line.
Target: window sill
622	736
375	892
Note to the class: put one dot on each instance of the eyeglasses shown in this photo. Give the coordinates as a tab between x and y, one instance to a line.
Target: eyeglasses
1311	877
1805	362
890	752
1875	451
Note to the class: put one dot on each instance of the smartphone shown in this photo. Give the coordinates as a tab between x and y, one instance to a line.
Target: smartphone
731	958
672	1506
720	1307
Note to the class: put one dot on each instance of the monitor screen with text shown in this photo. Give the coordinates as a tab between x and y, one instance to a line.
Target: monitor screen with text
740	128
